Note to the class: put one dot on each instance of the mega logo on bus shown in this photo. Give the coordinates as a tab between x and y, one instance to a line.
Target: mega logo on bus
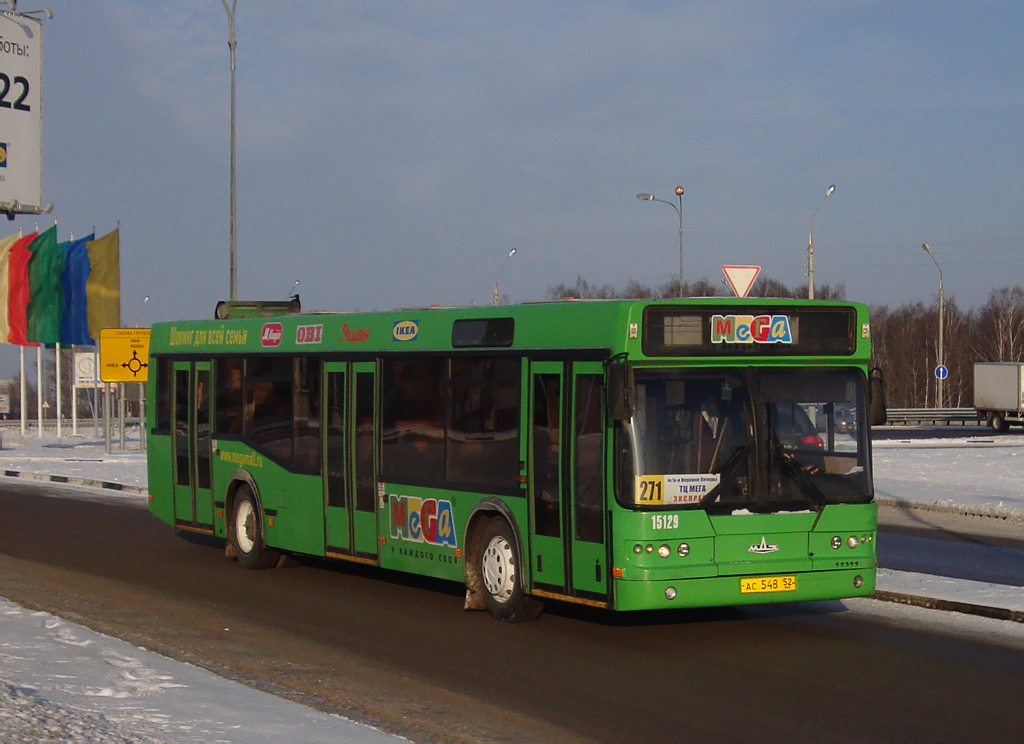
750	329
405	330
272	334
430	521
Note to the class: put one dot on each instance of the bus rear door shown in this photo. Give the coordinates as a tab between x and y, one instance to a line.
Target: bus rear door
193	497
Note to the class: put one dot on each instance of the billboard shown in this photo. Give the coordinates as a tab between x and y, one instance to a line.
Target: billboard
21	124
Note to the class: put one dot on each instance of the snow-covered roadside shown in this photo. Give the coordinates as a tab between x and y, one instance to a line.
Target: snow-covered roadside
62	682
979	475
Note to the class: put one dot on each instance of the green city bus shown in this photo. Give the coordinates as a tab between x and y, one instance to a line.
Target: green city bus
621	454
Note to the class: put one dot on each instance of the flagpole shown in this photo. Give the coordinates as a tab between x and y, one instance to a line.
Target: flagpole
24	405
59	387
74	392
39	389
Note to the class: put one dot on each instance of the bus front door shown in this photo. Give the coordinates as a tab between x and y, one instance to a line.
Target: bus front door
350	475
193	497
568	531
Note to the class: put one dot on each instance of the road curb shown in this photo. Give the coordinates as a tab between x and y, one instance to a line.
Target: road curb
949	605
1002	516
76	481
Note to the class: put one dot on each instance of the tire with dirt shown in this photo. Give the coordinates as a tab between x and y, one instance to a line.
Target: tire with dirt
501	573
247	532
998	423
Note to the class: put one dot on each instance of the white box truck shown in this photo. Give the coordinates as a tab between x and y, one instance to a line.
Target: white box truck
999	393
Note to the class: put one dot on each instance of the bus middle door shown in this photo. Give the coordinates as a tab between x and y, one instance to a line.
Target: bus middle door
350	462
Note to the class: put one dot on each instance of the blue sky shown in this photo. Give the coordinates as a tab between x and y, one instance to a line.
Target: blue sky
391	154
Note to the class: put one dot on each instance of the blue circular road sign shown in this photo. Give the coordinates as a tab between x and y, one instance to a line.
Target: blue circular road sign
941	372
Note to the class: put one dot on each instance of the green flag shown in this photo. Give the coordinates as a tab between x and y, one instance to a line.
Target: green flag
46	295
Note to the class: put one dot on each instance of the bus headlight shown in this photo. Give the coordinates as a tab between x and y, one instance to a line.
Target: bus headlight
670	593
858	582
853	542
684	550
664	551
837	542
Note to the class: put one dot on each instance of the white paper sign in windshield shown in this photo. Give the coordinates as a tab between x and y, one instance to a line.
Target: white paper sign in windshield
683	488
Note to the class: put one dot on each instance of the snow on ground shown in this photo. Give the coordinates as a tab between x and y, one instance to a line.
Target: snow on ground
981	474
59	681
63	682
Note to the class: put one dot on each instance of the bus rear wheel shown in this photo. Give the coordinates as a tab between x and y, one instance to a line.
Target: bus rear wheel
247	533
502	576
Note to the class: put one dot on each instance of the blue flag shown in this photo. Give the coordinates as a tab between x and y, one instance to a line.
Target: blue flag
74	326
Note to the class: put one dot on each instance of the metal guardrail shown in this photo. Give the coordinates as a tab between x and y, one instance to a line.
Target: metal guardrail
933	416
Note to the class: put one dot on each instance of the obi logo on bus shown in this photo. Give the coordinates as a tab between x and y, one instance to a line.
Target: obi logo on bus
405	330
418	520
309	334
750	329
272	334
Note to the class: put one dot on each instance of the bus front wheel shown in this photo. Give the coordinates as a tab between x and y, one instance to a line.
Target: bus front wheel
502	576
247	533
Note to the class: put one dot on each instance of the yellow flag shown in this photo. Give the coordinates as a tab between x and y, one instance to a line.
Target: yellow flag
103	287
5	249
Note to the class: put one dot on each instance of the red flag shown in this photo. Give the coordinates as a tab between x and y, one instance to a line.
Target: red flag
18	291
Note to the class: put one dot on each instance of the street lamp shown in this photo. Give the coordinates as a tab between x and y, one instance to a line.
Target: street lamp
810	245
510	254
13	5
679	211
233	229
942	293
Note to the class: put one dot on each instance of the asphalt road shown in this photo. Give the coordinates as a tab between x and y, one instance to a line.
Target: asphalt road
401	652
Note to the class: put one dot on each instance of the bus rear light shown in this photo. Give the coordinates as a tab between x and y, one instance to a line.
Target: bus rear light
271	521
220	514
458	552
812	440
617	573
150	497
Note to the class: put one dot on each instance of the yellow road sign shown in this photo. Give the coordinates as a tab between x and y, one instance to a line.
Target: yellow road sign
124	354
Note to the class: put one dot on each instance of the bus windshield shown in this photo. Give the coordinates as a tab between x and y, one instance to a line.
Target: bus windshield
733	439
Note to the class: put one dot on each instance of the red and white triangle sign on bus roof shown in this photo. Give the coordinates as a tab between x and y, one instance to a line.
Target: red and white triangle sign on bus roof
741	278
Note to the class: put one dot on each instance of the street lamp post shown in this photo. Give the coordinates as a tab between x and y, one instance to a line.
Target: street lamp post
679	211
942	300
810	245
510	254
233	228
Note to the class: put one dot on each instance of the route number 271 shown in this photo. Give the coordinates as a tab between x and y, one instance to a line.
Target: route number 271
20	86
650	489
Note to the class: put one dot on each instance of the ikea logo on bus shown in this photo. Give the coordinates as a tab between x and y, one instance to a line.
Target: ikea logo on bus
750	329
418	520
405	330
